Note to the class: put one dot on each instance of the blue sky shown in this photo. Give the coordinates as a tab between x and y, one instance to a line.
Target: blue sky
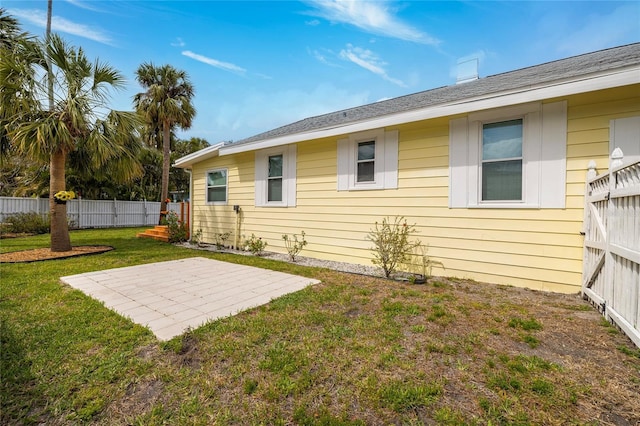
257	65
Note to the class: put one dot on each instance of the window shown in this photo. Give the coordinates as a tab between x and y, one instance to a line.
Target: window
217	186
511	157
368	160
275	179
502	161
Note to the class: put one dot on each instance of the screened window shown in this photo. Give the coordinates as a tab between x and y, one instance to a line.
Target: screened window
366	161
217	186
502	161
274	179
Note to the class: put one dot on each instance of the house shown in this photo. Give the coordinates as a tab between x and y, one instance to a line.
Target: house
491	171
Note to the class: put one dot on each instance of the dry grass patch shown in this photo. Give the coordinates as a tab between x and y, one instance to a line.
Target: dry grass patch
353	350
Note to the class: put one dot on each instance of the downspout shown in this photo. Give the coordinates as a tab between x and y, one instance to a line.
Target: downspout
236	208
191	204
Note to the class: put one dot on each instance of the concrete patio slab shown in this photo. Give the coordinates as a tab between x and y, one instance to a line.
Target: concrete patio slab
169	297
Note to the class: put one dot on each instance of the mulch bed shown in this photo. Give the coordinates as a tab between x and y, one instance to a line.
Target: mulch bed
40	254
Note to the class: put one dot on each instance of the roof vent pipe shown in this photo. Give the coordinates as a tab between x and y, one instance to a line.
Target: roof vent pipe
467	70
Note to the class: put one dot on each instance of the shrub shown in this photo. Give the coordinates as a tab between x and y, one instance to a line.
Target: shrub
196	238
28	223
221	239
255	245
177	229
391	243
293	245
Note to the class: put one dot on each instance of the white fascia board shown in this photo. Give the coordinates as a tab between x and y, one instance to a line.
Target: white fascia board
195	157
556	89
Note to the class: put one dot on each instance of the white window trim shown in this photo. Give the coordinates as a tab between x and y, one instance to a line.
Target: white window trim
385	165
482	161
288	153
543	151
226	187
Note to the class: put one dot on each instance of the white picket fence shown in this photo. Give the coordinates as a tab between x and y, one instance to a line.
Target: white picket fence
611	264
84	214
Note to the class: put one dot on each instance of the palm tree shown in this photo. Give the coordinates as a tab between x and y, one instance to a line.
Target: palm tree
22	49
165	104
79	123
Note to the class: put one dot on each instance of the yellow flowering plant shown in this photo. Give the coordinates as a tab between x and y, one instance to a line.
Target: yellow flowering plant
64	195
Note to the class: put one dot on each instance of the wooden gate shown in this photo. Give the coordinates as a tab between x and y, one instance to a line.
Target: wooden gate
611	262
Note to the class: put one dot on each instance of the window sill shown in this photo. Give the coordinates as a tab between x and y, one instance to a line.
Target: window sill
504	206
271	205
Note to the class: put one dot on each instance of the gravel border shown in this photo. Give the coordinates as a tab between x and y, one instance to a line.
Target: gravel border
352	268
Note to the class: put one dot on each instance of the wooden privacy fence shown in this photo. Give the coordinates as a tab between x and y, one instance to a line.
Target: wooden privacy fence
611	264
92	213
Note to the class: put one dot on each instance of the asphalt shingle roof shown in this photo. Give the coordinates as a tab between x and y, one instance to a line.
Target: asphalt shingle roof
563	69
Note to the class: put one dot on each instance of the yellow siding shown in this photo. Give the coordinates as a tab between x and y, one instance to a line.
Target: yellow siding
539	249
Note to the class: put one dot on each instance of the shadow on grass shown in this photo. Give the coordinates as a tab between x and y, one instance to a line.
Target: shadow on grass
20	401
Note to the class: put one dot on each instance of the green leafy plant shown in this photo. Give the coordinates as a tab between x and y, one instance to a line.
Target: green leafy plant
293	245
221	239
391	243
255	245
177	229
26	223
197	237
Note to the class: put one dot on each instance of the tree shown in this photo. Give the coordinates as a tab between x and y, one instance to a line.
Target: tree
79	123
22	49
179	178
165	104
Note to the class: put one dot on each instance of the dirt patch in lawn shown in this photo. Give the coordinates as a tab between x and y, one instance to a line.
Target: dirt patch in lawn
364	350
39	254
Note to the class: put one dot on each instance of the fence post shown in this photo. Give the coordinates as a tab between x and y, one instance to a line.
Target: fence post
79	211
616	158
591	173
611	224
586	222
115	214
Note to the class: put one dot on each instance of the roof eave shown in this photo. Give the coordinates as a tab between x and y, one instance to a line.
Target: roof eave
582	84
189	160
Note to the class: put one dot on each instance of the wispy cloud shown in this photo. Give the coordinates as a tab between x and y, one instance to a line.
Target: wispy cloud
84	5
263	76
214	62
313	23
373	17
61	25
178	43
322	56
369	61
602	31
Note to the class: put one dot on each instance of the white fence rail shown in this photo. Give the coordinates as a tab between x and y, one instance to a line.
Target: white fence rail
92	213
611	264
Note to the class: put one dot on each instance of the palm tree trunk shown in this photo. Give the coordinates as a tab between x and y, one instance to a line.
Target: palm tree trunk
60	240
166	163
49	71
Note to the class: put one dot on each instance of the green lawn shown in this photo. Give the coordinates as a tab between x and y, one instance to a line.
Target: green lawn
352	350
